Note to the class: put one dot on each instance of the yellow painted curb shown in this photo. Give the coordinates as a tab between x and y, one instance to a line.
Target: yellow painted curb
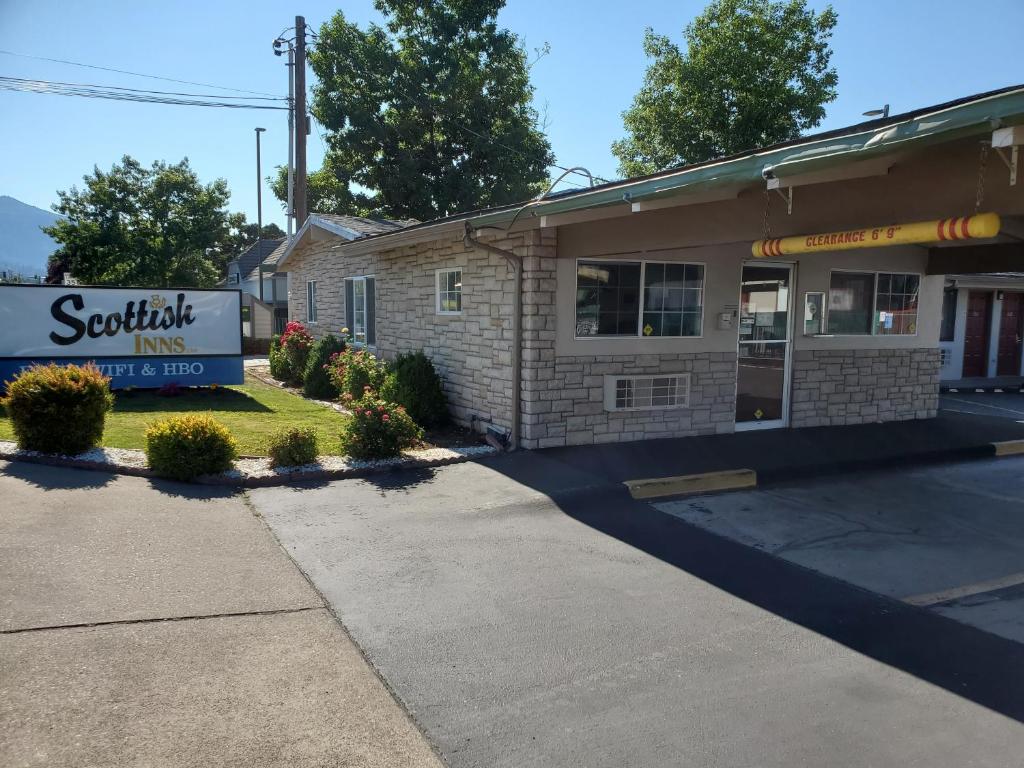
707	482
1009	447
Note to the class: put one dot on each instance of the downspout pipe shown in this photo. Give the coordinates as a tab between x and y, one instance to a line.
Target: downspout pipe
516	262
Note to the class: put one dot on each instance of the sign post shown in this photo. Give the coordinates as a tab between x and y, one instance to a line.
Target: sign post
139	337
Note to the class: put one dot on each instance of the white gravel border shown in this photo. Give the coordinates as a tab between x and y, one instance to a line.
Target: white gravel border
251	472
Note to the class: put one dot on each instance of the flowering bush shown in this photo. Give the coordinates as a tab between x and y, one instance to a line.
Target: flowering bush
280	368
353	370
378	429
296	342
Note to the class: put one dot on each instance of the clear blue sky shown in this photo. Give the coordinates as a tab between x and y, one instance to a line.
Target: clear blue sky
909	53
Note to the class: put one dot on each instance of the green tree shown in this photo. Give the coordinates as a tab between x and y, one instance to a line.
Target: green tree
327	190
754	73
154	227
426	116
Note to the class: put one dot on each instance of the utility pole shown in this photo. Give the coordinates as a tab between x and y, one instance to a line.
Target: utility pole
291	140
259	208
303	126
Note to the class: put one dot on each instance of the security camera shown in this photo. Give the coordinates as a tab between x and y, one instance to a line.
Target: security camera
767	173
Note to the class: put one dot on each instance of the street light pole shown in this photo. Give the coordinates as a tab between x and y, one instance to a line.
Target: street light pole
259	187
259	210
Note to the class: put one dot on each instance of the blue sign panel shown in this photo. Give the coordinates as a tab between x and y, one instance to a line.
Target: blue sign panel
147	372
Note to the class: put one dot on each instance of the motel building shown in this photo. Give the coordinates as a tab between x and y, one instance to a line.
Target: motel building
830	280
982	333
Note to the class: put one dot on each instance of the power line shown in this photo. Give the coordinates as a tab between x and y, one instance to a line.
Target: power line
138	90
130	94
134	74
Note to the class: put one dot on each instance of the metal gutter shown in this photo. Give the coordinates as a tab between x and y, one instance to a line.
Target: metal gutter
516	262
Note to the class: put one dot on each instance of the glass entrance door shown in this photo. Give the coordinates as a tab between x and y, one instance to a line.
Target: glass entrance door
762	375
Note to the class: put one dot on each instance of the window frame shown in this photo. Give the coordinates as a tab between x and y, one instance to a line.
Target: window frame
311	308
438	291
640	303
874	303
352	331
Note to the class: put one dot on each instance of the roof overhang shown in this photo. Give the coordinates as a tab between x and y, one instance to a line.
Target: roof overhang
866	150
313	230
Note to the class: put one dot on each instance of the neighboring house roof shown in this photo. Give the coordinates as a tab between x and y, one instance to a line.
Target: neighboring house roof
274	257
347	227
254	255
968	116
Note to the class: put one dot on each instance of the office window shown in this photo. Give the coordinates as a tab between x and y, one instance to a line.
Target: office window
449	291
896	304
869	303
360	310
311	301
638	298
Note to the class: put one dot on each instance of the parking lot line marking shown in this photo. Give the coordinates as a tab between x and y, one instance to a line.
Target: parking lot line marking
985	405
706	482
934	598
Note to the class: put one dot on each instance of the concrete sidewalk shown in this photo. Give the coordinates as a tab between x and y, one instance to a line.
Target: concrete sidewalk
146	624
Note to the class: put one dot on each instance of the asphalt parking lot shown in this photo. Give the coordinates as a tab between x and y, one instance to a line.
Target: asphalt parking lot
575	626
949	538
1000	405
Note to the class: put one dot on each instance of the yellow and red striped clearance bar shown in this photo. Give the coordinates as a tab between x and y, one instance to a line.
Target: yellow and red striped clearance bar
956	228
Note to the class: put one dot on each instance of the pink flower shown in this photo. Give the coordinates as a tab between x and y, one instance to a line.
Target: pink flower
369	413
385	417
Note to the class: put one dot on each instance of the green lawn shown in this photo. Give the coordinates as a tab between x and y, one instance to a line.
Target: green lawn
251	412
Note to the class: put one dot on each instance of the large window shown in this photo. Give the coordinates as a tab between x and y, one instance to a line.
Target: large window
638	298
449	291
870	303
360	310
311	301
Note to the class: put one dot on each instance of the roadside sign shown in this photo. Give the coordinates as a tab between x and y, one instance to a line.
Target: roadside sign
140	337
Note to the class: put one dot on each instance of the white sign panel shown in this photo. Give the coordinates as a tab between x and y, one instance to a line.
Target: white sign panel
64	321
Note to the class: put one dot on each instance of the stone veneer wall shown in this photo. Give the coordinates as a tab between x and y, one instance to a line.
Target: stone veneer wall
835	387
570	408
472	351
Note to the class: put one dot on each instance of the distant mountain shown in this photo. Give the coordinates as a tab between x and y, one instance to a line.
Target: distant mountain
24	247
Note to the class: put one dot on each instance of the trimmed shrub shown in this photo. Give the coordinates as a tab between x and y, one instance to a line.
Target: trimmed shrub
296	342
184	447
58	408
316	382
292	447
378	430
355	370
279	366
414	383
